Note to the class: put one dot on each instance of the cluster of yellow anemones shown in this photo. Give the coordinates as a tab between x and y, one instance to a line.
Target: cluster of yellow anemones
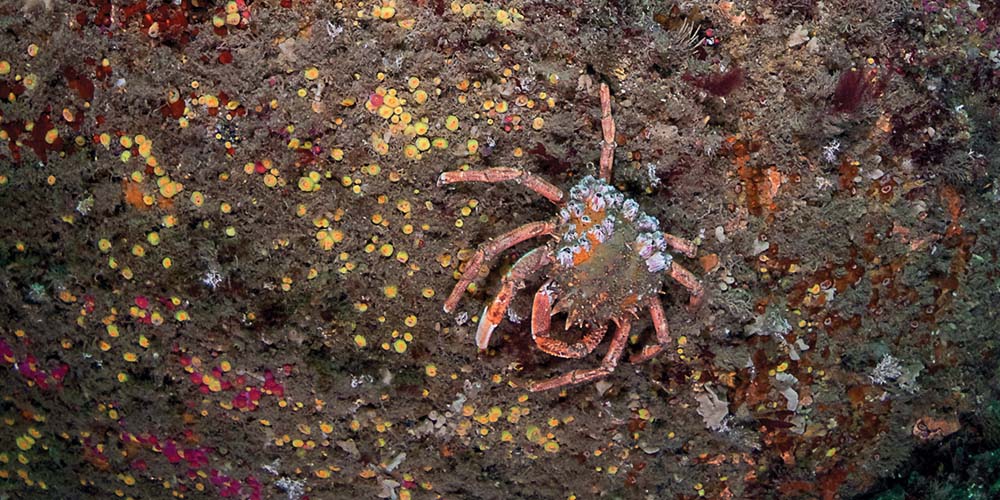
507	17
232	17
310	182
389	104
140	144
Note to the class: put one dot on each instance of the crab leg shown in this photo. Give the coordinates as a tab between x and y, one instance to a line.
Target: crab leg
689	281
489	251
493	314
608	364
500	174
662	332
541	320
608	128
682	245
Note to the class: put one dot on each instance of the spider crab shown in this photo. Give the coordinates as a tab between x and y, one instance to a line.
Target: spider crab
605	257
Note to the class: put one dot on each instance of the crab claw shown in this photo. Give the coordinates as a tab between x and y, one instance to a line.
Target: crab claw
512	282
485	329
493	314
541	311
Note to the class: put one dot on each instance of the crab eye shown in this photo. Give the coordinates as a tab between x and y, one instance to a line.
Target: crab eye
585	219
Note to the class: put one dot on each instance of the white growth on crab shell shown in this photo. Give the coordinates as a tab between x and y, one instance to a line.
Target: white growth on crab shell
652	247
658	262
597	201
646	247
630	209
598	234
594	195
580	191
608	224
565	256
647	224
